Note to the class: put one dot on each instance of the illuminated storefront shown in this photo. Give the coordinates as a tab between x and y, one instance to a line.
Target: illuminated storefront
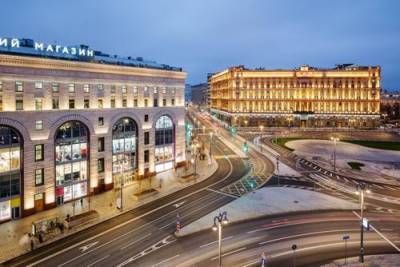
164	144
71	150
124	149
10	173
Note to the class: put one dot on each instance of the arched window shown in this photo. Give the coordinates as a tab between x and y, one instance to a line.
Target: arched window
10	171
124	150
165	144
71	160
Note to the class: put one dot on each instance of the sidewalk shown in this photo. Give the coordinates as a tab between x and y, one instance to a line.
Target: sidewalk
392	260
13	233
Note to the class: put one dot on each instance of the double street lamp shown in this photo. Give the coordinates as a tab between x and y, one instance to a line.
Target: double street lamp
211	140
221	219
122	177
335	140
361	189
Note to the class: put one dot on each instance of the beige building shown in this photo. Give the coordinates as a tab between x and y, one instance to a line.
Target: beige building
75	124
345	96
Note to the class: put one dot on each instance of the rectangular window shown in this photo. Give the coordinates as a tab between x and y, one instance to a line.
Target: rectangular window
135	102
155	102
146	138
55	103
19	104
173	102
86	103
100	165
39	177
155	91
39	152
112	102
135	90
55	87
100	144
113	89
71	88
71	103
123	89
38	85
146	156
86	88
38	103
124	102
1	104
39	125
164	102
19	86
146	118
100	87
146	102
1	86
101	121
100	103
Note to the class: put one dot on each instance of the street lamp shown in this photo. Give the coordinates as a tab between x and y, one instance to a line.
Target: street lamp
345	238
335	140
211	139
121	162
245	122
221	219
261	129
361	188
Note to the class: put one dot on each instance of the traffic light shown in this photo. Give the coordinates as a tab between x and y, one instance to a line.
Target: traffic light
233	130
245	147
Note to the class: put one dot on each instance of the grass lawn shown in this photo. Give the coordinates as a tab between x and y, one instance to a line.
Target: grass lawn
355	165
281	141
386	145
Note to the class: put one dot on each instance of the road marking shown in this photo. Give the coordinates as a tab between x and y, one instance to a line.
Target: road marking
386	229
133	242
167	260
177	205
97	261
229	253
305	234
214	242
128	222
84	248
219	192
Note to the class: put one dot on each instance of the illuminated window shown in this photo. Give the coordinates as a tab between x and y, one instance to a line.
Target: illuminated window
123	89
19	104
19	86
38	103
39	152
86	88
39	177
55	87
39	125
38	85
71	88
100	165
100	103
112	102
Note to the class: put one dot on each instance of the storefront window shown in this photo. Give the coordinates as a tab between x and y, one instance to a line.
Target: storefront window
71	161
124	147
165	143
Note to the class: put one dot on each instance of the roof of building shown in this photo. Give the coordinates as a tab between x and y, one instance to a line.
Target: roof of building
26	47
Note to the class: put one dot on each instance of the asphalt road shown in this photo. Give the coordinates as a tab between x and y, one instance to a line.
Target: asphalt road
148	227
318	236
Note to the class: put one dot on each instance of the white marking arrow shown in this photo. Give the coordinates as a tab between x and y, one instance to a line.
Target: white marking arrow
86	247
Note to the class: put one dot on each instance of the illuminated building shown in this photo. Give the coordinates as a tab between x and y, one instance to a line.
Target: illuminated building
344	96
74	121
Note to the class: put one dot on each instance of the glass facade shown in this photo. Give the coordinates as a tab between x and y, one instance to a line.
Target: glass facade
10	170
124	149
71	160
165	144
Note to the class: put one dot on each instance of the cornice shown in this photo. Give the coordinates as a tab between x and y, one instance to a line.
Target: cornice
59	64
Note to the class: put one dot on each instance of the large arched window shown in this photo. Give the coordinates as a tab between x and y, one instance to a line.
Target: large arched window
165	144
124	149
72	157
10	172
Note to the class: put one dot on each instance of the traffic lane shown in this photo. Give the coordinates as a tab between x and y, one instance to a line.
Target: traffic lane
252	232
223	170
152	228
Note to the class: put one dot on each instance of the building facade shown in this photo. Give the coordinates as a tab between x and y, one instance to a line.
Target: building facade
74	125
345	96
188	93
199	94
390	106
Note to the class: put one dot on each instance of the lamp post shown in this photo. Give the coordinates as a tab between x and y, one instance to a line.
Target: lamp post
221	219
361	188
261	130
335	140
121	162
345	238
211	140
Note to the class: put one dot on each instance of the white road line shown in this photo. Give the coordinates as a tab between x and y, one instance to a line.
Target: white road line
305	234
97	261
127	222
229	253
222	193
167	260
214	242
133	242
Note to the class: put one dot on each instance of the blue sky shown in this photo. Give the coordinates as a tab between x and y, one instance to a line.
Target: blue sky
210	35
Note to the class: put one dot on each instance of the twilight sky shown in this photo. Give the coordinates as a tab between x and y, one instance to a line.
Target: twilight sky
210	35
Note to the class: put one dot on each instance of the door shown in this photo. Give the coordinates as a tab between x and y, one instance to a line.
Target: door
39	202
